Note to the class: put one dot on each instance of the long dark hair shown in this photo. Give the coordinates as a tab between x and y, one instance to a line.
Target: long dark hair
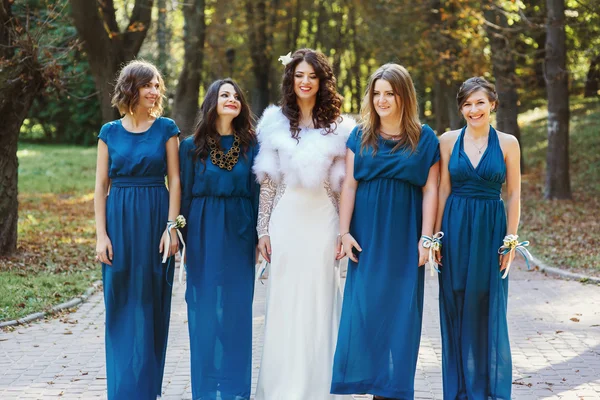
326	112
243	124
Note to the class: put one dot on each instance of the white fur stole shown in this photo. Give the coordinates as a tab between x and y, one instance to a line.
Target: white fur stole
309	162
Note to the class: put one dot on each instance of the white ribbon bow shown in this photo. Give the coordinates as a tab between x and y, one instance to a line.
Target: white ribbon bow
433	244
510	243
173	225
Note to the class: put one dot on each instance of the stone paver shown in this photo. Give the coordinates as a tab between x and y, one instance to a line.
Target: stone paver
554	327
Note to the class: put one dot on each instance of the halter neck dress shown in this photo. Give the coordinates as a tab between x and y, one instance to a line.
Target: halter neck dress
476	359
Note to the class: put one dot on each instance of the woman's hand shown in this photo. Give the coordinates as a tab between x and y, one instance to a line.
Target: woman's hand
349	243
173	246
339	250
506	260
437	255
104	250
264	247
423	253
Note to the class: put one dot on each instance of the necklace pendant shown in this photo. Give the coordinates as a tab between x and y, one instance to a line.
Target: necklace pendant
479	151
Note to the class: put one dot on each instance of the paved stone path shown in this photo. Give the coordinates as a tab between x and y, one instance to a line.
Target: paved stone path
554	327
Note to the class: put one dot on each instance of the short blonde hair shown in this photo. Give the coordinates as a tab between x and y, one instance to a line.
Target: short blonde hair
134	75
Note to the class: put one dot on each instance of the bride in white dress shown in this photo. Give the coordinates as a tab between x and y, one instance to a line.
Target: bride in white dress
301	167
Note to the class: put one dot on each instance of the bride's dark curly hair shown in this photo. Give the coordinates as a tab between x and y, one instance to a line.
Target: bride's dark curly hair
326	112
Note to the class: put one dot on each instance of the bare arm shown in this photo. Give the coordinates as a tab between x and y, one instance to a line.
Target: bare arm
173	179
104	251
347	199
430	208
348	194
513	184
447	141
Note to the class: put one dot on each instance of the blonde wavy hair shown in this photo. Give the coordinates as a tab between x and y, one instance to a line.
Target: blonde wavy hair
406	100
134	75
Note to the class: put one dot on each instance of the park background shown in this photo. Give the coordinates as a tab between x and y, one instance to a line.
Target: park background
58	61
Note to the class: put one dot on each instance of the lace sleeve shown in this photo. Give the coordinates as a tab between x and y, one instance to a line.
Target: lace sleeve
268	189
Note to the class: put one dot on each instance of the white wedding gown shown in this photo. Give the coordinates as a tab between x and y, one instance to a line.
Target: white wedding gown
303	297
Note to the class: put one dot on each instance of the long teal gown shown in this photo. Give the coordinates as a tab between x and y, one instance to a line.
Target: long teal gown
476	360
380	328
137	287
221	208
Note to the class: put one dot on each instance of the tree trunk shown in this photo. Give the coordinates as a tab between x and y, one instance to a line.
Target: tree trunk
592	81
261	20
19	85
503	66
162	35
185	106
441	106
558	185
20	82
455	120
106	46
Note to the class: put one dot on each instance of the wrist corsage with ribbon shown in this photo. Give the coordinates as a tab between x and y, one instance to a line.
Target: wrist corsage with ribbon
510	243
177	224
433	243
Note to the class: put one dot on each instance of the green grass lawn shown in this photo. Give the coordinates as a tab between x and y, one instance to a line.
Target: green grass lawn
55	256
563	233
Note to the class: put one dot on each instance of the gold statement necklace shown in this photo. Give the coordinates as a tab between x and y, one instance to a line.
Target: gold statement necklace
224	160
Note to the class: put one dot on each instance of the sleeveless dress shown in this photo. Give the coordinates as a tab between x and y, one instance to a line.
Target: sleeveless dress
380	328
220	207
476	359
137	287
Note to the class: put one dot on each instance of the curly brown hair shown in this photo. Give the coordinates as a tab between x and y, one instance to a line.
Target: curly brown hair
326	112
243	124
131	78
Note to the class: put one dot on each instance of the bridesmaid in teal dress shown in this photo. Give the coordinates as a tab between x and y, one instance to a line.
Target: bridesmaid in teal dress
476	161
134	155
220	203
388	200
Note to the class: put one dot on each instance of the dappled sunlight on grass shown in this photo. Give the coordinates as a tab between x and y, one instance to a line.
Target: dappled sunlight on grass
56	169
55	251
564	232
27	153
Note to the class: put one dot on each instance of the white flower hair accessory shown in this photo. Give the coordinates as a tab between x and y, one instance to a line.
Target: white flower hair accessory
285	60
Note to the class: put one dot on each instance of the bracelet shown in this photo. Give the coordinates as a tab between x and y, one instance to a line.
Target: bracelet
179	222
341	235
433	243
510	243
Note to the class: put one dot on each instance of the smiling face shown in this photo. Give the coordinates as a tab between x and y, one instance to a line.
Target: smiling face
306	82
477	109
385	101
228	103
149	93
